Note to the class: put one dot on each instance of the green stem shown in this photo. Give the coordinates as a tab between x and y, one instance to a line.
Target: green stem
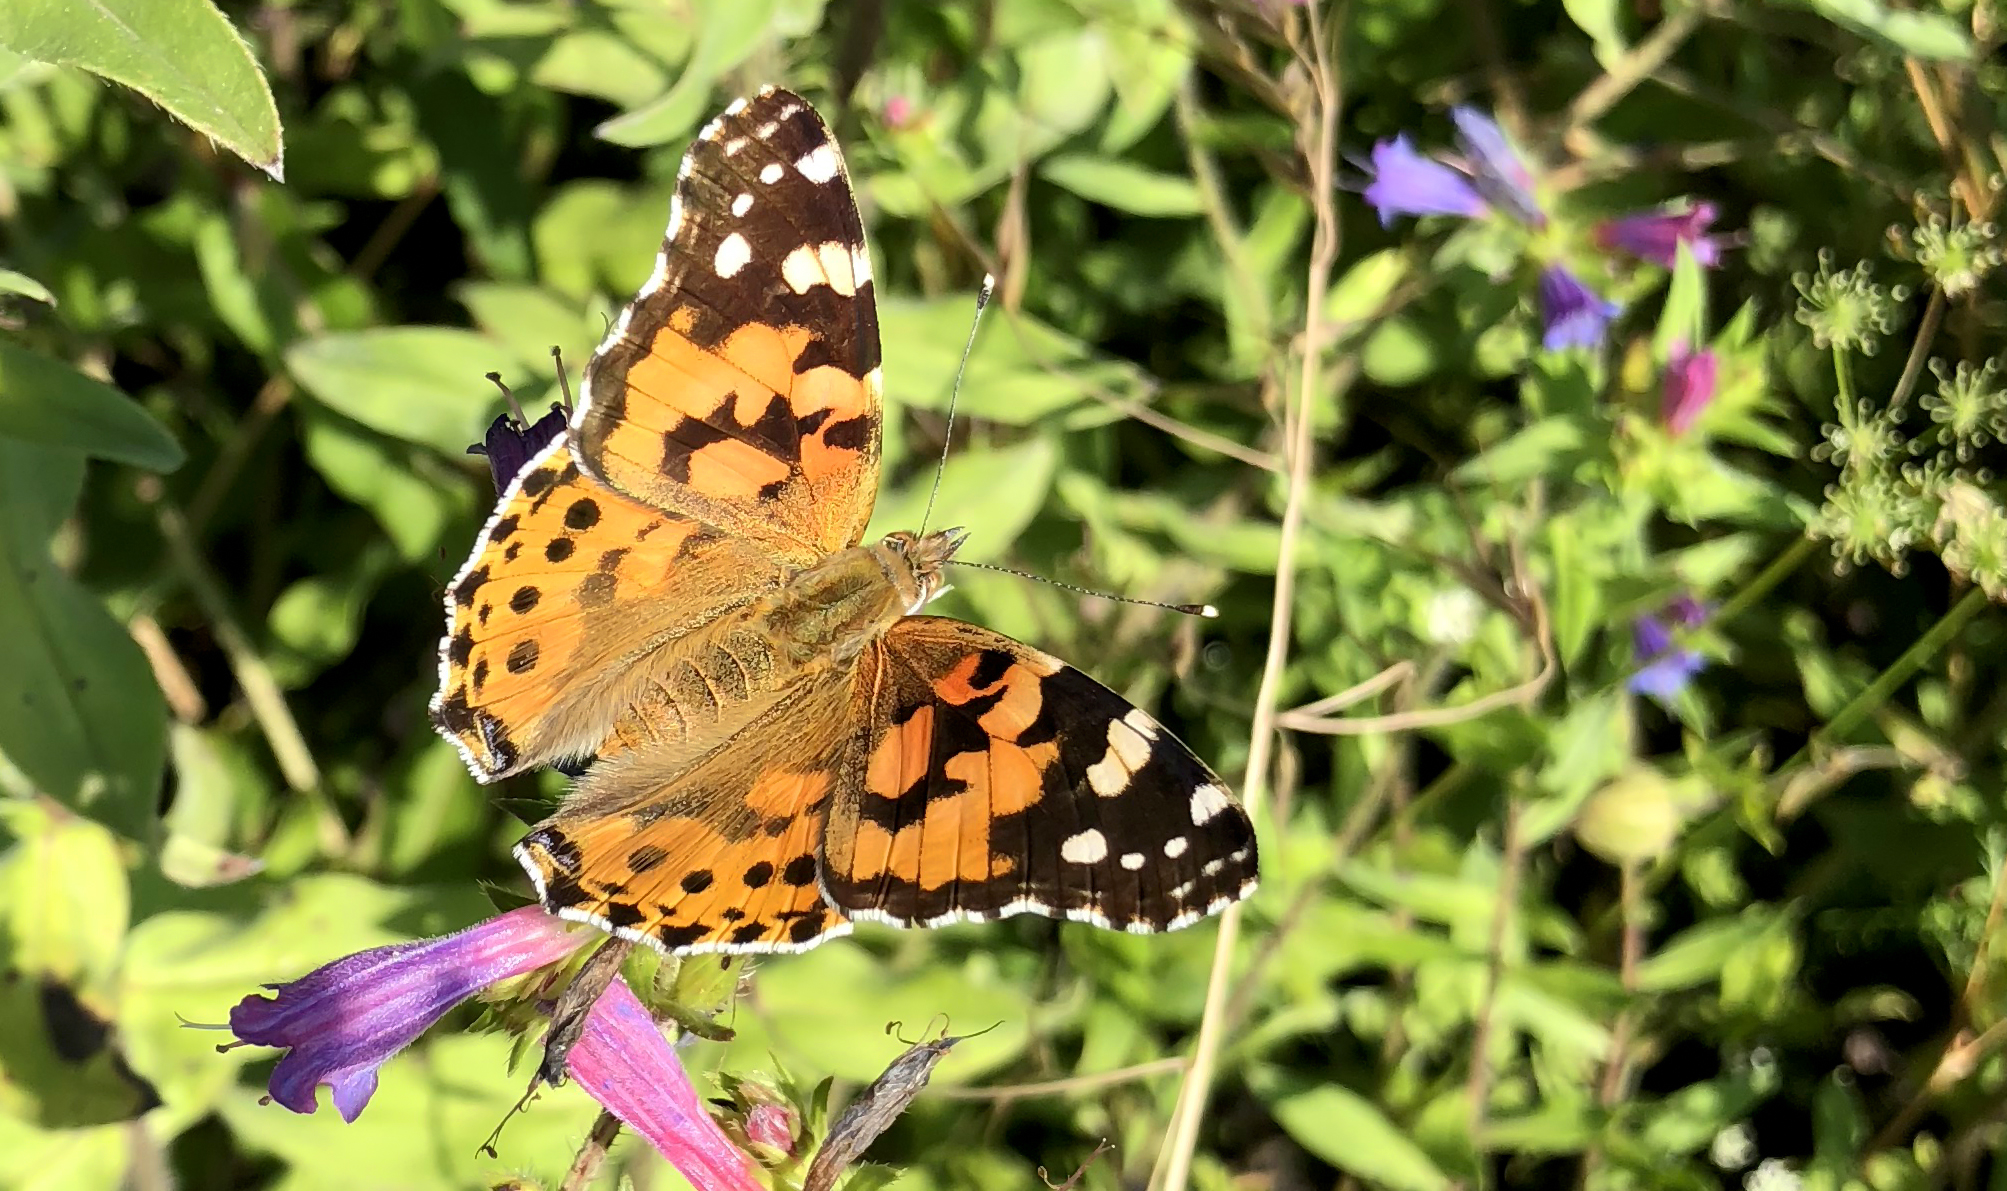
1886	684
1768	578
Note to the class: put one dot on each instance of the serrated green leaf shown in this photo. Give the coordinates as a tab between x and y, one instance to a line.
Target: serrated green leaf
182	54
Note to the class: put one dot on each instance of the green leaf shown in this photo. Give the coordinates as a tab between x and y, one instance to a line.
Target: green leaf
182	54
1020	371
1600	19
1543	448
1122	185
1684	319
1919	34
413	493
420	384
1352	1134
20	283
51	404
993	492
727	33
84	722
1699	954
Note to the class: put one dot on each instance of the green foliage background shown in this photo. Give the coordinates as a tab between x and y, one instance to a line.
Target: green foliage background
1518	925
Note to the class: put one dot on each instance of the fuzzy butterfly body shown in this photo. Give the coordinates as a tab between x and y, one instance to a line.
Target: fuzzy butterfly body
674	586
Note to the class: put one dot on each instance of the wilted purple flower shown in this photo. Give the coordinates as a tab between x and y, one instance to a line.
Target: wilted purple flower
1655	236
1407	183
1689	386
1574	314
341	1022
509	445
1495	167
1665	666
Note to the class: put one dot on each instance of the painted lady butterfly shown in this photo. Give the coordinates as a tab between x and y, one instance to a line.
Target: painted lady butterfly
674	586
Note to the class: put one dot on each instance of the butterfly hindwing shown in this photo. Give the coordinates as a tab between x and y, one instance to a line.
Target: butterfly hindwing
715	852
990	779
742	385
549	623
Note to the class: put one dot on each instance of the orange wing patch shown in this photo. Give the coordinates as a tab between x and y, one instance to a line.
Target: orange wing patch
741	386
567	583
996	780
719	855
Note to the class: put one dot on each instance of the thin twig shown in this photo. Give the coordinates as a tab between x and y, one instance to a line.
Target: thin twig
1478	1086
1919	351
1321	151
184	697
1060	1087
591	1155
1428	717
254	677
1635	66
1398	672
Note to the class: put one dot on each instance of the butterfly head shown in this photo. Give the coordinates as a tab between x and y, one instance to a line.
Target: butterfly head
919	579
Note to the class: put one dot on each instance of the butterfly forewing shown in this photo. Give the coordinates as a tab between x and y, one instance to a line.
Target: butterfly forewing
742	384
990	779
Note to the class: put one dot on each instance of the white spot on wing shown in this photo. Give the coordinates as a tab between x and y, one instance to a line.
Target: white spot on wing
770	172
821	264
1128	749
766	131
1208	803
1131	861
818	164
733	146
1089	847
733	255
1175	848
741	205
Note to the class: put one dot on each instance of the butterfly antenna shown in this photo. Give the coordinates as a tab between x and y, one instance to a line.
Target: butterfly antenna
564	386
521	419
1202	610
948	434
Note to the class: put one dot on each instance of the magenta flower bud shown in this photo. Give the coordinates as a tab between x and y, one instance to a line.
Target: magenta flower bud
899	112
1574	315
1407	183
1689	386
625	1063
341	1022
1655	236
772	1125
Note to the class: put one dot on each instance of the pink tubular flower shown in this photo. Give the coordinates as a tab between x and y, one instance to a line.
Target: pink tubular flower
898	112
1689	386
1655	236
341	1022
625	1063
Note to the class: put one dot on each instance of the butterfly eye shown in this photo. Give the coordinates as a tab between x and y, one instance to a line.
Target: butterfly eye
895	542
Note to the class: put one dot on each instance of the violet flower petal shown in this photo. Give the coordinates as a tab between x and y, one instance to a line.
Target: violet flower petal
1655	236
1666	678
1666	667
1407	183
625	1063
343	1020
509	445
1689	387
1497	170
1574	314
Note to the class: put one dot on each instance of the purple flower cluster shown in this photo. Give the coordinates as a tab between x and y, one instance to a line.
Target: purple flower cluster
1490	177
341	1022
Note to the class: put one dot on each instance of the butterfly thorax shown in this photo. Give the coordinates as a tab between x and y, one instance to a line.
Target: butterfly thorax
834	609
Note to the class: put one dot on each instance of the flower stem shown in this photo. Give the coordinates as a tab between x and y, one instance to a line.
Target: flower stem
1769	577
1878	692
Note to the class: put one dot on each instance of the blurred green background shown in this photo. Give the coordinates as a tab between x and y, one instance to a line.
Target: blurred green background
1520	926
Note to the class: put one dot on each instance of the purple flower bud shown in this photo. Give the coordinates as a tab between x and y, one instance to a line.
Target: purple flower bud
625	1063
1665	667
509	445
1497	170
1407	183
341	1022
1689	386
1655	236
1574	314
